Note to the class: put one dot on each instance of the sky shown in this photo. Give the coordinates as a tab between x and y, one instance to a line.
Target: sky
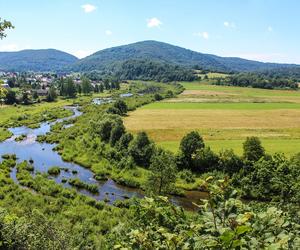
264	30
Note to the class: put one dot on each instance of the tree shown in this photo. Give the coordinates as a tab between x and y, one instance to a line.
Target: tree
116	133
69	88
4	25
253	150
204	160
124	141
106	84
96	89
25	98
117	85
169	94
229	162
11	82
121	106
190	143
35	95
3	93
162	177
78	89
158	97
86	86
141	149
101	88
10	97
104	129
52	95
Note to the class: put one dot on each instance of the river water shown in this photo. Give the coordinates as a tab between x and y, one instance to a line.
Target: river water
44	157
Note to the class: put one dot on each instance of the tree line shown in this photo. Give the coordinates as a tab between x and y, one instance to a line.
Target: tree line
259	80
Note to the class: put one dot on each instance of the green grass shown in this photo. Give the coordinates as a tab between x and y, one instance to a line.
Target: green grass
8	112
224	116
223	106
4	134
256	92
288	146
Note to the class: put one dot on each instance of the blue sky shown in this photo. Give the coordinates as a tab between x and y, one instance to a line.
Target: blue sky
265	30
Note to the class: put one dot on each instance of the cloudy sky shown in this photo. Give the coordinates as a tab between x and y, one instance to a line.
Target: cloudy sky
265	30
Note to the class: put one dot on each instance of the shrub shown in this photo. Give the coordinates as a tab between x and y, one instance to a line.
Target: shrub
54	171
253	149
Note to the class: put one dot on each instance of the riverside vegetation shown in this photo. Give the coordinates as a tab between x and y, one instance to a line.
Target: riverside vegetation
61	218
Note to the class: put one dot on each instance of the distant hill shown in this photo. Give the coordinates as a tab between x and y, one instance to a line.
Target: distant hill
166	53
35	60
146	58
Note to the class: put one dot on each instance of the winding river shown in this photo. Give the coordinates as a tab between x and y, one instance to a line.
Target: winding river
44	157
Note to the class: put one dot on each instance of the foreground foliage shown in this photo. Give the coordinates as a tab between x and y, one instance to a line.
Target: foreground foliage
54	217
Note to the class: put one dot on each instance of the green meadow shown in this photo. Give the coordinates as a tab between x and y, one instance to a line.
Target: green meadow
225	116
288	146
222	106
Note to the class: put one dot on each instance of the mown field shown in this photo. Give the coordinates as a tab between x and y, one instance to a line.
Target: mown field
224	116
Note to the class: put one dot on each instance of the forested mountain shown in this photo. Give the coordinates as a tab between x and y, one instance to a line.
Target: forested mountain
35	60
151	55
166	53
136	69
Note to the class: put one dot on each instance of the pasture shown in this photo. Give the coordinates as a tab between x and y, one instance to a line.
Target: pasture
224	116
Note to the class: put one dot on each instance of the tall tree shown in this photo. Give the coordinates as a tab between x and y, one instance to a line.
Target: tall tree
101	88
69	88
25	98
86	86
141	149
11	97
190	143
52	95
106	84
162	177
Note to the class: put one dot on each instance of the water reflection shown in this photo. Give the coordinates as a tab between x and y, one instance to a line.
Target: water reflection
44	157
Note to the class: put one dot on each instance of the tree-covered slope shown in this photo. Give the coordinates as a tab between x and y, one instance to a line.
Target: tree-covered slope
35	60
144	70
166	53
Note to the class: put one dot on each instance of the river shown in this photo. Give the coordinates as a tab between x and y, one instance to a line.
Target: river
44	157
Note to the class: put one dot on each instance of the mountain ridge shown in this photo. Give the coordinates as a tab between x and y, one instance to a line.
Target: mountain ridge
110	59
167	53
35	60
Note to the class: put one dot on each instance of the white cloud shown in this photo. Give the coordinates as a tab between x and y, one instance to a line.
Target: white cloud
270	28
154	22
203	34
228	24
82	53
87	8
108	32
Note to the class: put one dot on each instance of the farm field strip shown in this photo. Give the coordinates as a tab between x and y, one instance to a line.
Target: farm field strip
240	90
224	116
221	106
